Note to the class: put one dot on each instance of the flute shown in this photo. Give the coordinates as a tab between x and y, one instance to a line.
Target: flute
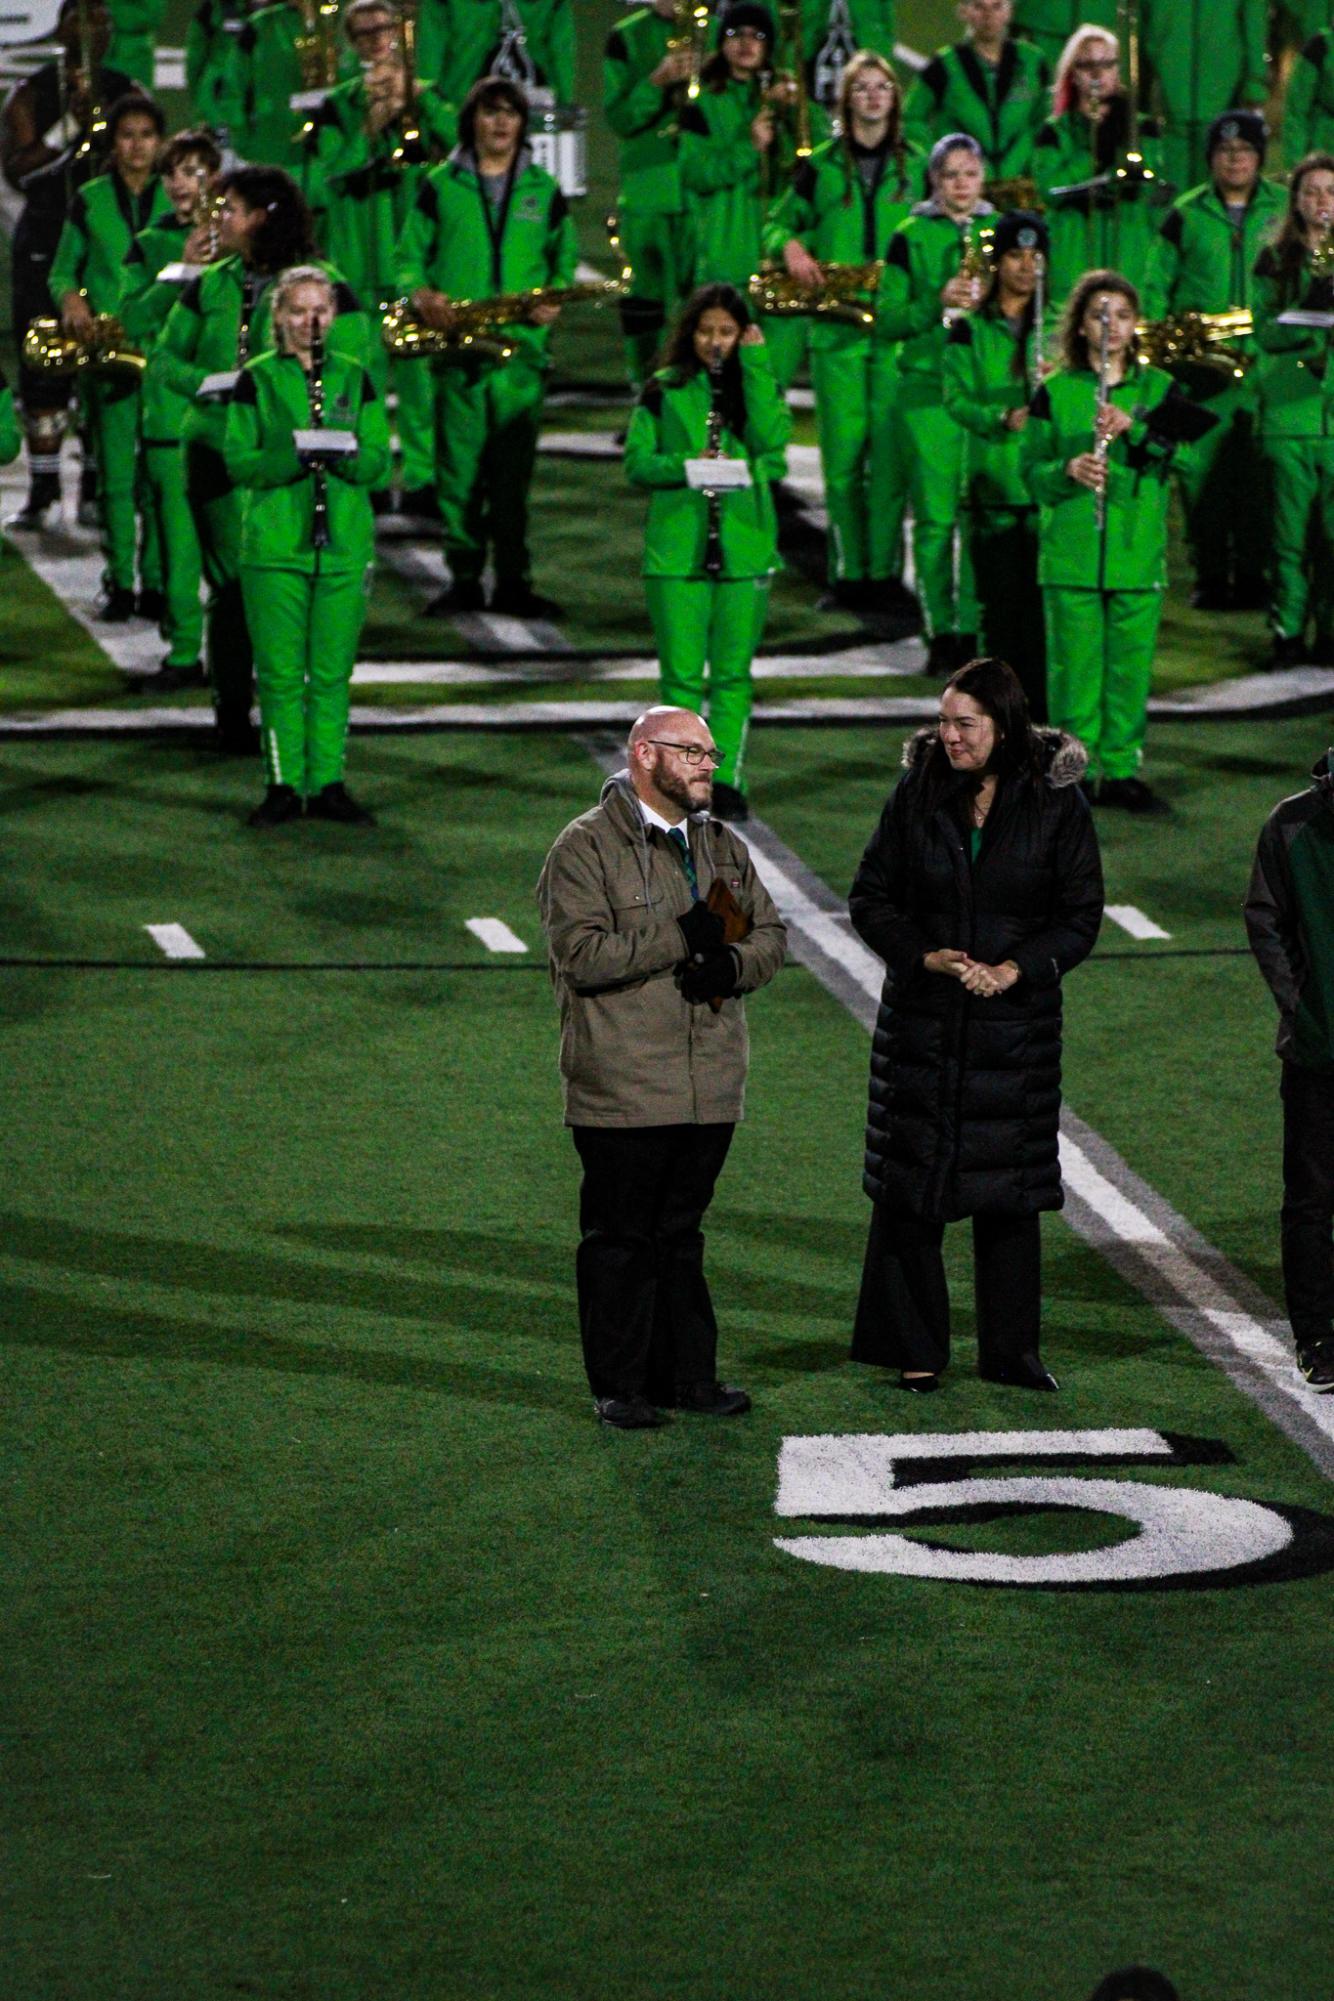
1101	441
319	520
1039	343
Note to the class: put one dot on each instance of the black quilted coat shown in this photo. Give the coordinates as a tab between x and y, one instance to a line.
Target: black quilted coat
965	1092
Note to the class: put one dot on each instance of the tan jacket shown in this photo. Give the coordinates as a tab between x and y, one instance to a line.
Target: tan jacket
633	1052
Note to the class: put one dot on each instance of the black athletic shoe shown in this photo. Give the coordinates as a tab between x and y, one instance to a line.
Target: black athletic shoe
1021	1372
728	803
151	605
115	606
920	1385
965	648
419	503
279	804
711	1399
1132	795
1250	594
168	680
628	1413
43	494
847	595
1288	652
942	655
335	802
464	595
1317	1364
1213	595
522	601
236	737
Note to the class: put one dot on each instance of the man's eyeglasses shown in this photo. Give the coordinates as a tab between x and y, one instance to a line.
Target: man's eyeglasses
693	753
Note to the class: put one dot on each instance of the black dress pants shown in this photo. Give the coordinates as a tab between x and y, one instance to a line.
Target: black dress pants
1307	1217
903	1314
644	1309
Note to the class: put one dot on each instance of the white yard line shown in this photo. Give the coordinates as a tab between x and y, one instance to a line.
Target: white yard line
1134	921
69	560
495	934
175	941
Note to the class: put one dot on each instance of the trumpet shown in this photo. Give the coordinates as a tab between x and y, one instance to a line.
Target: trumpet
1202	340
841	296
477	325
48	350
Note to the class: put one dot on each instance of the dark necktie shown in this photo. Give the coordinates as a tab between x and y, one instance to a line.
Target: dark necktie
677	837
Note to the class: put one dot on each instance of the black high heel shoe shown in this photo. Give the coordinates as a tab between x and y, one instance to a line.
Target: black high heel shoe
1021	1372
921	1386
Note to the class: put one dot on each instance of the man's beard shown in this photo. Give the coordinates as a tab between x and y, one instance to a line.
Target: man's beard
672	786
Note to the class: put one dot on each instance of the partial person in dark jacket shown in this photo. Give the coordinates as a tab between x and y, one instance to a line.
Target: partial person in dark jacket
1289	925
980	889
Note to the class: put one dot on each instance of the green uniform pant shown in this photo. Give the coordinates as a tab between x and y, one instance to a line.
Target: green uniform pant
112	412
864	460
486	423
1004	546
1099	666
182	565
1301	515
660	251
706	628
216	506
936	448
1223	491
306	628
786	340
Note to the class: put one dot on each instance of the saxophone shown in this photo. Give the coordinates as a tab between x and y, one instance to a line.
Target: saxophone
1202	340
713	442
976	247
319	517
842	296
477	324
105	350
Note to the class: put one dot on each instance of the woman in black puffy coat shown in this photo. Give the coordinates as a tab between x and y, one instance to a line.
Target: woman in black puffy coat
980	888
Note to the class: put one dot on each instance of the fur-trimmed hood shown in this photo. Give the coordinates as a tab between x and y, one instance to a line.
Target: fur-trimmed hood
1064	757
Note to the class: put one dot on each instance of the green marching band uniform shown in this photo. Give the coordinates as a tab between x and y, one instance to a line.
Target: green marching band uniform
368	197
487	412
727	181
304	605
1202	262
1308	108
651	206
1002	106
135	27
831	31
1050	23
1111	228
844	205
103	220
1296	415
202	336
1102	591
211	66
459	41
267	131
1203	55
924	253
702	624
990	370
145	302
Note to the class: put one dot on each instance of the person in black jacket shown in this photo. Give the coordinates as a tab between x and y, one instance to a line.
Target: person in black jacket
1291	934
980	889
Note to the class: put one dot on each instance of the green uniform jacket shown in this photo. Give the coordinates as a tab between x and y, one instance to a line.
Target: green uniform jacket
669	426
459	40
924	253
271	400
11	435
1201	263
830	209
144	305
453	243
643	117
824	43
981	386
368	199
726	182
1295	382
1308	108
202	334
135	27
268	75
1090	233
104	219
211	74
1002	108
1206	54
1131	553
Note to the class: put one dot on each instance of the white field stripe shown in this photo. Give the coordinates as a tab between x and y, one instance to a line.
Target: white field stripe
69	559
495	935
175	941
856	664
1135	922
421	563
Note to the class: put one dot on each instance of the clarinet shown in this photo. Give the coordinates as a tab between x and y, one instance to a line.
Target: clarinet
319	520
713	546
1101	442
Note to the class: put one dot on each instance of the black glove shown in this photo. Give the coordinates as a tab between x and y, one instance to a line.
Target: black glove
715	978
701	929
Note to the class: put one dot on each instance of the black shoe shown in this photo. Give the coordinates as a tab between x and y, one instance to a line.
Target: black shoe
1132	795
628	1413
1250	594
1293	652
279	804
920	1386
237	738
168	680
43	493
711	1399
965	648
116	605
891	608
335	802
419	503
1212	595
848	594
941	654
1317	1363
382	502
1021	1372
522	601
465	594
151	605
728	803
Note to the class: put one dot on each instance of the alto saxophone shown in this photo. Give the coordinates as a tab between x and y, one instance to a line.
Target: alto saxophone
840	296
104	350
972	265
1200	340
476	324
319	516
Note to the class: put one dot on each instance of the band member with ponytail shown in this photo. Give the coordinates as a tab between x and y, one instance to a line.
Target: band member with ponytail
1296	414
490	220
933	272
842	208
709	555
993	366
222	320
1097	451
307	543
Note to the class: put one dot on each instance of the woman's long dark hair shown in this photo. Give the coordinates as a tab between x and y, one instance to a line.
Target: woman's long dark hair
286	235
680	358
1074	341
990	304
995	687
1285	258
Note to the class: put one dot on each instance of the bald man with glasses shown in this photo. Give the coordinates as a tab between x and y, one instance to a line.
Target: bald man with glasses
653	1057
